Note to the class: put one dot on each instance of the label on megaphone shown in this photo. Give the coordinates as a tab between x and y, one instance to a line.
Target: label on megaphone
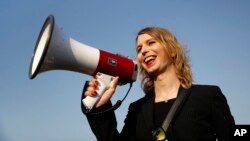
104	83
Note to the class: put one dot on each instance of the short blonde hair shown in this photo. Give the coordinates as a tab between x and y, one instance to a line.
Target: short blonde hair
174	50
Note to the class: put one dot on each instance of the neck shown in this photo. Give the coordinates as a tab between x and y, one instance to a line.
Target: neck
166	85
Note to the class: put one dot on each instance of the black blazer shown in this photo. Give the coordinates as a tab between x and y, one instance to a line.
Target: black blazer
204	116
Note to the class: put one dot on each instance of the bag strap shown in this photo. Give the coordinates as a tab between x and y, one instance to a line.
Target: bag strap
171	113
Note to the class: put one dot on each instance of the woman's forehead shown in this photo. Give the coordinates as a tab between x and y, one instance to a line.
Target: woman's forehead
143	38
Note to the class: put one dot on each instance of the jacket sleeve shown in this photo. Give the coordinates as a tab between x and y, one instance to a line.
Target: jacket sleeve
104	124
222	116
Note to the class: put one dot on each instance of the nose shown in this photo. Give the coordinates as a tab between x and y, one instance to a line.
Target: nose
144	50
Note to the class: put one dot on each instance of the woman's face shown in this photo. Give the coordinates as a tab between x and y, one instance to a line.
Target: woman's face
151	55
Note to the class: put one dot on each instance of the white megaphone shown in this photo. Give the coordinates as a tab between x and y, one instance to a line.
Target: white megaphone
56	51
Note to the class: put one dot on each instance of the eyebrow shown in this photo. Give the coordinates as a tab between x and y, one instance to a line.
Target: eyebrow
148	40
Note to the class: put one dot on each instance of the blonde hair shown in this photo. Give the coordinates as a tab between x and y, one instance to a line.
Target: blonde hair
176	52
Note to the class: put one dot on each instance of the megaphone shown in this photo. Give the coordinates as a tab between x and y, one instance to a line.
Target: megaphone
56	51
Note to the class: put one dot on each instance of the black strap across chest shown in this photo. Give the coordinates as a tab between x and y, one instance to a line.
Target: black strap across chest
177	104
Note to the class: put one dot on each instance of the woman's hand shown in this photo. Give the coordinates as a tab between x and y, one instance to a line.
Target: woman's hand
92	87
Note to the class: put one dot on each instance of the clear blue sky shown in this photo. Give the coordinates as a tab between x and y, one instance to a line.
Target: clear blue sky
47	108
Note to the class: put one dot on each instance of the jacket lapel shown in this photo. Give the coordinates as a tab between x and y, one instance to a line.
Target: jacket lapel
148	109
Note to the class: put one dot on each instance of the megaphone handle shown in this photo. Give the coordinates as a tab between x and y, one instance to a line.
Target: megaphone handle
104	82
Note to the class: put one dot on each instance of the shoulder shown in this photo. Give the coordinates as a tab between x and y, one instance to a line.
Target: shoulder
213	91
205	98
207	94
204	93
199	87
206	90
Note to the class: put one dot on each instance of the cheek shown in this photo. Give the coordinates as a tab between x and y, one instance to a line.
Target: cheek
139	58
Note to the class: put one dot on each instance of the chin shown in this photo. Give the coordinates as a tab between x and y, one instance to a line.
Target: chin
152	71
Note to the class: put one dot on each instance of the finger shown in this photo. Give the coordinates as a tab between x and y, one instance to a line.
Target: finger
93	83
91	91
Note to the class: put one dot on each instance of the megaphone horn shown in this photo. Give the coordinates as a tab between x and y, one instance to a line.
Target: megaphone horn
56	51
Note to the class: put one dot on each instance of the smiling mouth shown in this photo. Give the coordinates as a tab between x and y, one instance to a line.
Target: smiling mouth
149	60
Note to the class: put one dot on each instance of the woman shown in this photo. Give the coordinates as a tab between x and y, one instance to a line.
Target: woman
164	71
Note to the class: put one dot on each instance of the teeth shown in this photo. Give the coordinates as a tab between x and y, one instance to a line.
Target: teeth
149	58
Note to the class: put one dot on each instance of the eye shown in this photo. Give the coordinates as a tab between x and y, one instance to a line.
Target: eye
151	42
138	49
